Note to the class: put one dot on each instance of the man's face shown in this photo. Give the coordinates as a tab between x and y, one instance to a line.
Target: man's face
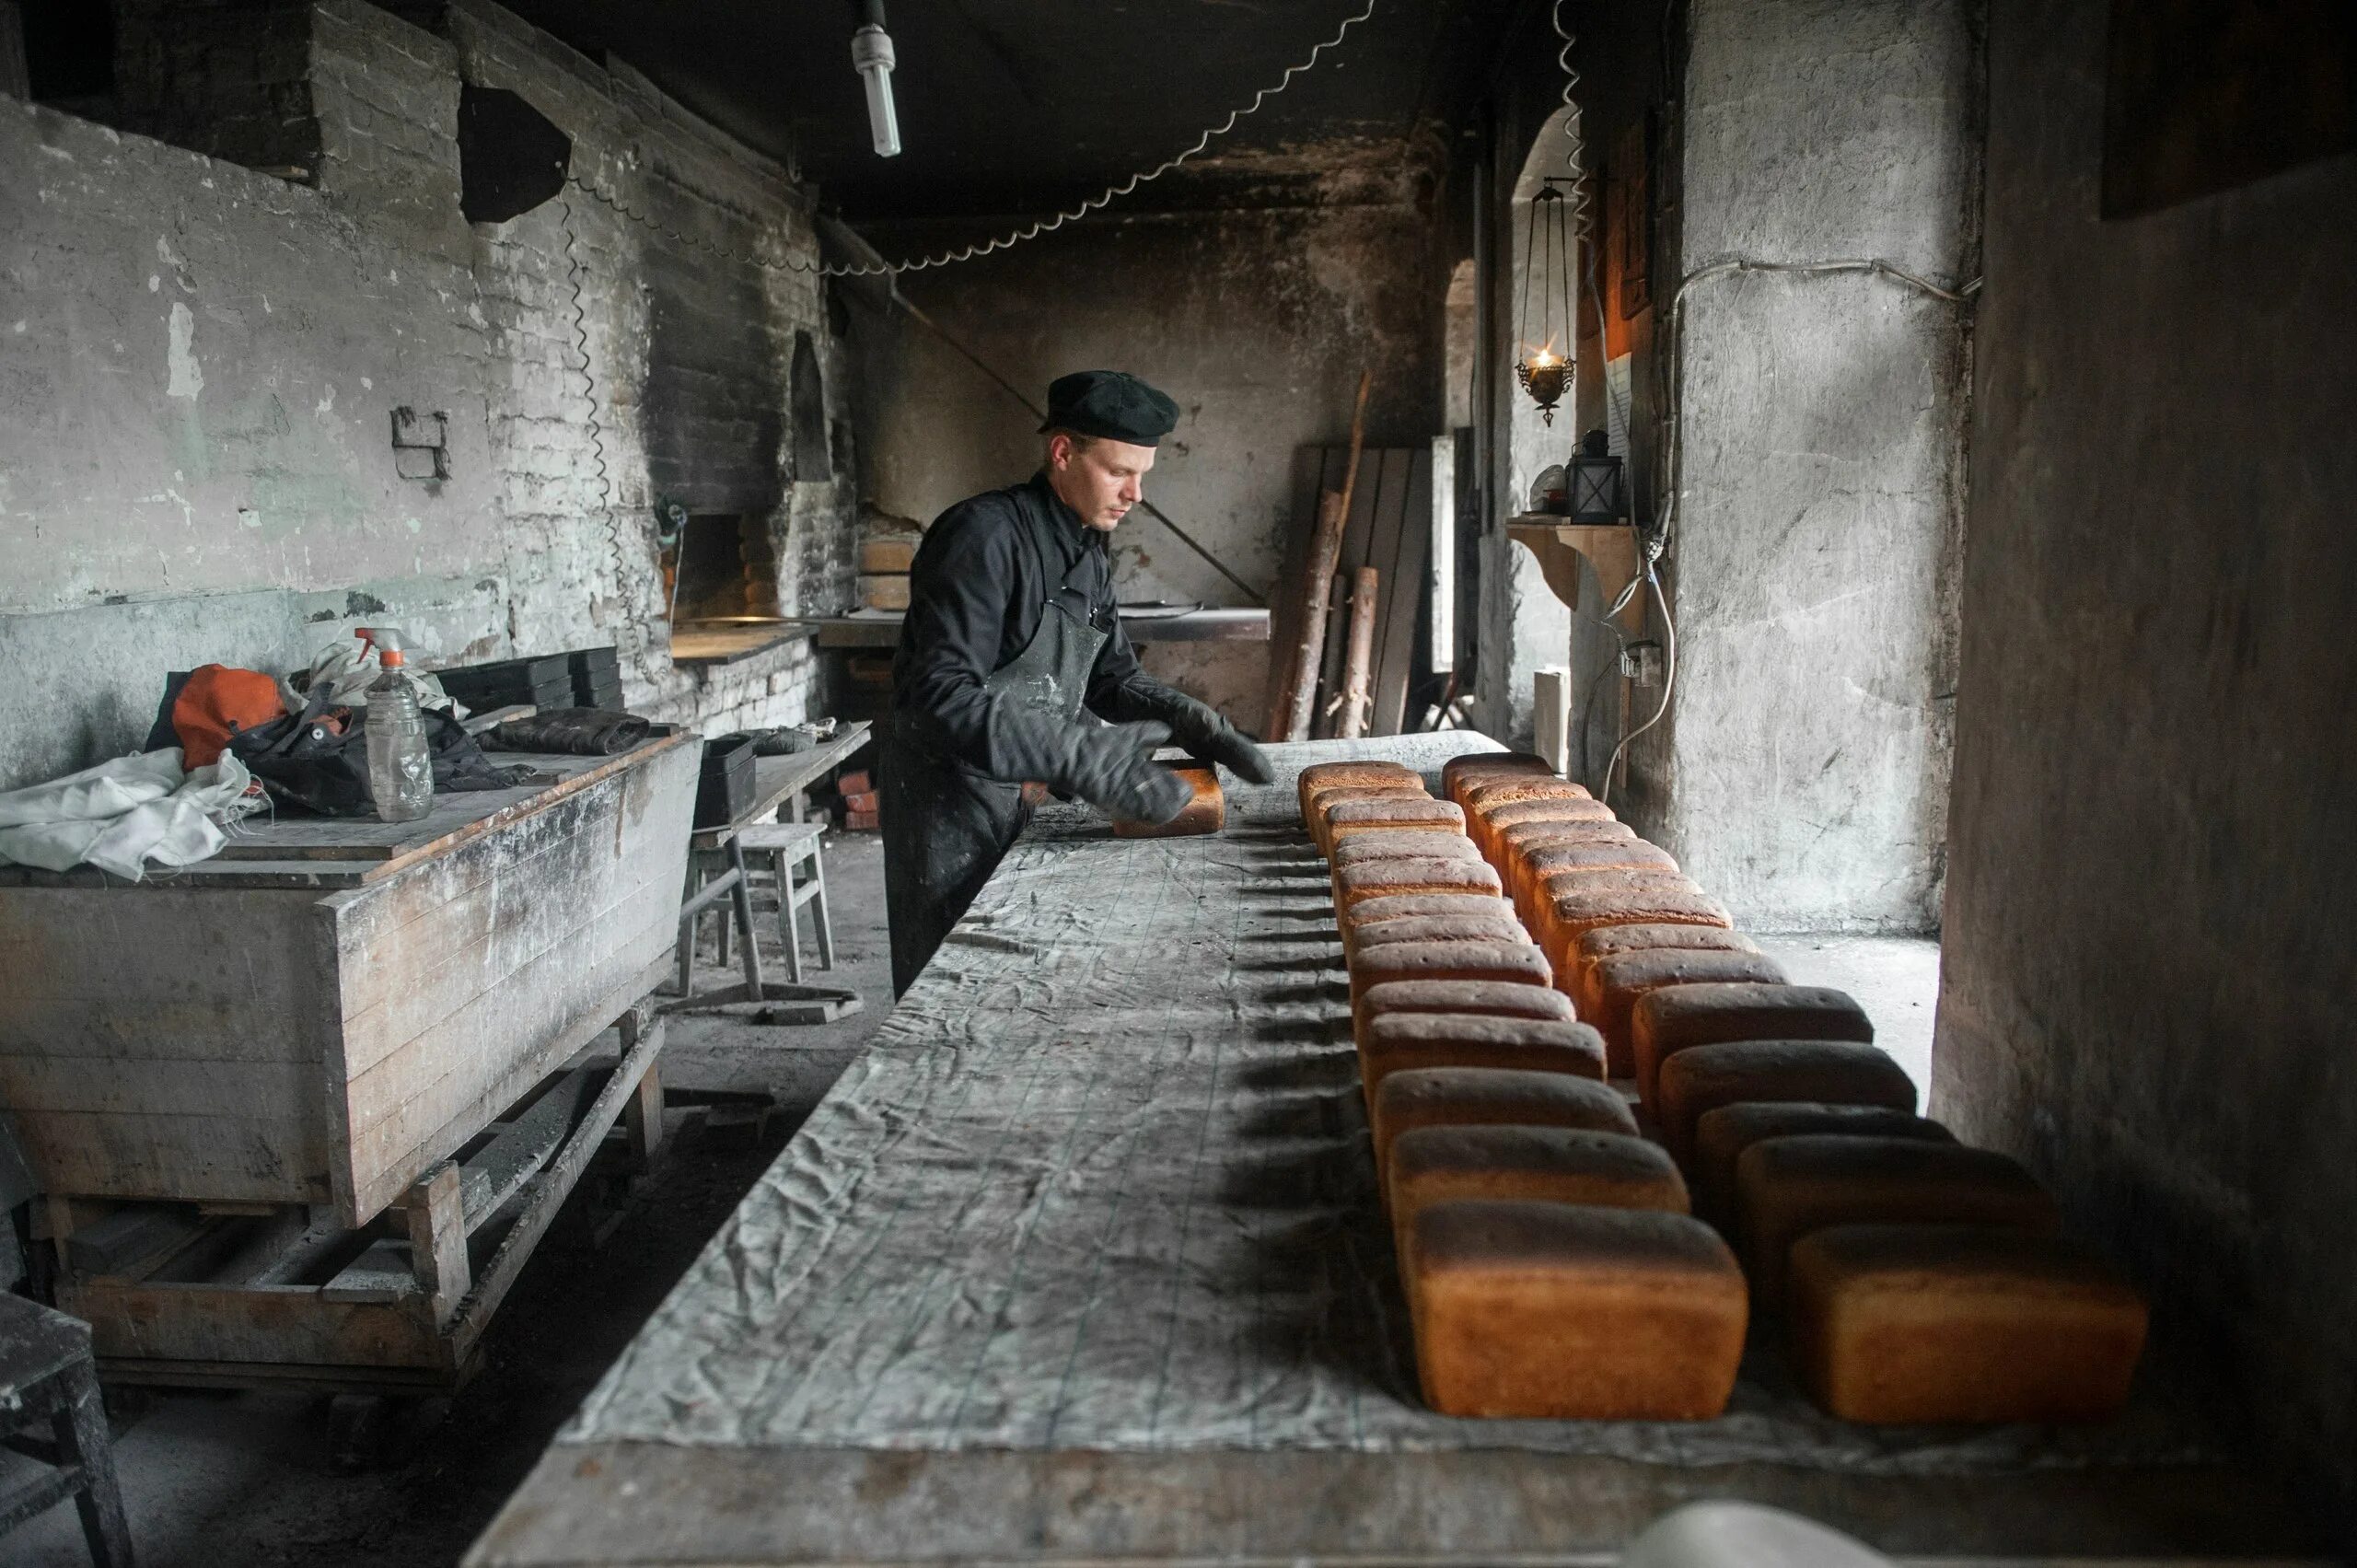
1100	480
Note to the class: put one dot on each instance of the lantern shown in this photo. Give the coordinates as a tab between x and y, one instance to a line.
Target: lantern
1593	480
1544	372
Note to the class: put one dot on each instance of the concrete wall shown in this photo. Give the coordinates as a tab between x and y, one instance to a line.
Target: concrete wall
1257	322
201	361
1802	772
2148	973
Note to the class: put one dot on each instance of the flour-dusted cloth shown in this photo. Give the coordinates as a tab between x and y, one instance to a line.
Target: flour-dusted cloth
123	815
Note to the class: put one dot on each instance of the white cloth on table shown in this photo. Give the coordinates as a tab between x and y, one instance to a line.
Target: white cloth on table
123	815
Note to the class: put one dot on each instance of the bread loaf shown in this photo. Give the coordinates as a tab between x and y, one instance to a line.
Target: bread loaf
1786	1188
1485	825
1606	941
1442	928
1521	866
1492	1097
1621	980
1516	839
1401	1042
1386	878
1505	962
1313	805
1556	1311
1704	1077
1480	795
1416	906
1538	911
1660	1026
1571	916
1532	1165
1722	1136
1943	1324
1404	843
1507	999
1205	811
1353	771
1345	817
1485	766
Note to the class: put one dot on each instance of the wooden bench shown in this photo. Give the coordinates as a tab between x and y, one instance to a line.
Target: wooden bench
48	1375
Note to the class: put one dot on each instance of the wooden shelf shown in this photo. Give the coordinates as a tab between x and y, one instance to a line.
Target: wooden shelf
1610	551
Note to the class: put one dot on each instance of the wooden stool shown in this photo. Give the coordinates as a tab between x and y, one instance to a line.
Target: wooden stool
788	845
47	1373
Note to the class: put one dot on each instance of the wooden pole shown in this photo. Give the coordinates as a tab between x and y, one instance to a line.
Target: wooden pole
1358	664
1289	719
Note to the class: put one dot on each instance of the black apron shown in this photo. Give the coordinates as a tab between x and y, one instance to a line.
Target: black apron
945	824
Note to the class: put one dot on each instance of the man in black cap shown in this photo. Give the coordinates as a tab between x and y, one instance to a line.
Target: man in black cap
1012	630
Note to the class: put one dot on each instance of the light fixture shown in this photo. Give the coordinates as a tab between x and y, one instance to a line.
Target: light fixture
1544	372
871	57
1594	483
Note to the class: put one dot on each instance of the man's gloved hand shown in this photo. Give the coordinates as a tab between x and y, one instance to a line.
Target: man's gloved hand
1113	767
1204	731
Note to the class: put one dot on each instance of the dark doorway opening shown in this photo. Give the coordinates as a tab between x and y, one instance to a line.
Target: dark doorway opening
726	568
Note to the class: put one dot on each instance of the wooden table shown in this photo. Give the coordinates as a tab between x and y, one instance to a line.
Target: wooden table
778	781
1082	1263
260	1093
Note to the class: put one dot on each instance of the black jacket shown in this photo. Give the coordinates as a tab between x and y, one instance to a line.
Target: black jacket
981	580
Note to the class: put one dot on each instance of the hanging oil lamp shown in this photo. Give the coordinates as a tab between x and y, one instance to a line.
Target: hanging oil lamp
1544	373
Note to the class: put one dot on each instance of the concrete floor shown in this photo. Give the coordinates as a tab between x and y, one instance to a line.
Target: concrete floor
1895	979
246	1478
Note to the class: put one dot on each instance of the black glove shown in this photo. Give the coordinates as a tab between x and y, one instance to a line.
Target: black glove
1198	727
1110	767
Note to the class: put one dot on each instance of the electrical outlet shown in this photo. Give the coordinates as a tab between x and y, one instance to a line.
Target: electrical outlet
1642	662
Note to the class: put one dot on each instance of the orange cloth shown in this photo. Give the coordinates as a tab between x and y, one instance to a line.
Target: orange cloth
216	703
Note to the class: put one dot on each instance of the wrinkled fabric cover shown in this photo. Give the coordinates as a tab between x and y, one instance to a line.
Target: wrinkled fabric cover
123	815
1104	1181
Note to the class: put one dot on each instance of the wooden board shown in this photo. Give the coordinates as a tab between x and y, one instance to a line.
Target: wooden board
1406	583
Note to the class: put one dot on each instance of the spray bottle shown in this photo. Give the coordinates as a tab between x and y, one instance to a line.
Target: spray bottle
401	769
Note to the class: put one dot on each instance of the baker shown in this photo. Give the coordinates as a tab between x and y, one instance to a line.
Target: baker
1012	632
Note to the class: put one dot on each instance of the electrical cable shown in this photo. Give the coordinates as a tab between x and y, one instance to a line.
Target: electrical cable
1028	231
612	524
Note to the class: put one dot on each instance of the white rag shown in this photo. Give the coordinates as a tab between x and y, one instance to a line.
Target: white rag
121	816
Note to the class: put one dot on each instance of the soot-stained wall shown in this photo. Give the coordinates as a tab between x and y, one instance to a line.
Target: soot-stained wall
2147	976
200	362
1257	322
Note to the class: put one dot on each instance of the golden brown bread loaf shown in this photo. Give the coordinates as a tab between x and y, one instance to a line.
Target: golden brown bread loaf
1704	1077
1618	982
1722	1136
1205	811
1571	916
1387	879
1486	766
1355	770
1547	892
1485	793
1342	819
1661	1026
1415	906
1492	1097
1401	1042
1484	826
1552	1310
1506	961
1404	843
1607	941
1943	1324
1505	999
1313	814
1521	866
1523	1164
1441	928
1786	1188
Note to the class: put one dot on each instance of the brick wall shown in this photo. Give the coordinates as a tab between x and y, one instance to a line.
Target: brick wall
260	328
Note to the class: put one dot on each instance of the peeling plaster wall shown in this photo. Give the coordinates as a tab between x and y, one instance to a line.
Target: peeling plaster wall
1258	323
1815	561
2147	977
197	366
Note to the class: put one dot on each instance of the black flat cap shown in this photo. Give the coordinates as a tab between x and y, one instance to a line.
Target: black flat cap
1110	403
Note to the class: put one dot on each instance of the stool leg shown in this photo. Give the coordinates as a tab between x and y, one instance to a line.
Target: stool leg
788	927
743	903
720	937
82	1440
688	924
818	898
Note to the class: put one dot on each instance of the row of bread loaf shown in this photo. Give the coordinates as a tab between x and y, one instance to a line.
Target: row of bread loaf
1919	1280
1550	1264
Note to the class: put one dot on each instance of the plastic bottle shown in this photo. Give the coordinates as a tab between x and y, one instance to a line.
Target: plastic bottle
401	769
